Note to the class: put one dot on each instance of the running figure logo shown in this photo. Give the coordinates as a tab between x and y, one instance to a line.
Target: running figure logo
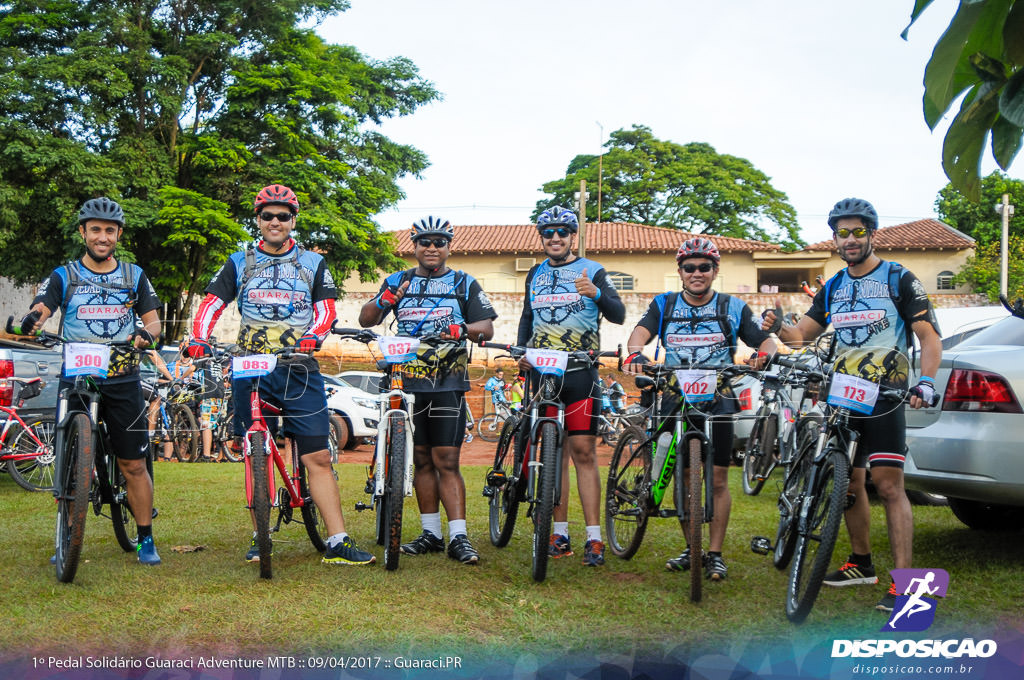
915	608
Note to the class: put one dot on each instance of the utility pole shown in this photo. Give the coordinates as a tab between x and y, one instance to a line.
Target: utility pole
600	169
581	210
1006	210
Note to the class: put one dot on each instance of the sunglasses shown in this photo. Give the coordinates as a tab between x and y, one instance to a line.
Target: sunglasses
703	268
550	233
436	242
859	232
282	217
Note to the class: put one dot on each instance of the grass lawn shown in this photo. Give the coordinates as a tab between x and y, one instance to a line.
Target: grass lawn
211	601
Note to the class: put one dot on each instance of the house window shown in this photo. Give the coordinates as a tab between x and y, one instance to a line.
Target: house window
621	281
945	281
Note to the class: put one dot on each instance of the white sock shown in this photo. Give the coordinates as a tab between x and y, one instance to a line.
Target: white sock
594	532
337	538
432	522
561	528
456	527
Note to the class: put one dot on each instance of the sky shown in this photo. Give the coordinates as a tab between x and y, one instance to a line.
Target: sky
824	97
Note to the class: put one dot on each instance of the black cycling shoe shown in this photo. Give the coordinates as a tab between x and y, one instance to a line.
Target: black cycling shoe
462	550
423	544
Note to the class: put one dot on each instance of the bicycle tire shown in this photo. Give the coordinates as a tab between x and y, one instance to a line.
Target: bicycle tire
184	433
34	473
225	433
692	499
627	493
126	531
312	518
760	450
394	492
259	501
73	500
611	433
794	481
504	501
337	437
816	540
545	501
489	427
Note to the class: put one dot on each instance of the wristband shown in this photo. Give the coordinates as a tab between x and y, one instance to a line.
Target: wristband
635	357
927	379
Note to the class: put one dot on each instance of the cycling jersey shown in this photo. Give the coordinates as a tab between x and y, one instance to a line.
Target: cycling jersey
496	387
430	305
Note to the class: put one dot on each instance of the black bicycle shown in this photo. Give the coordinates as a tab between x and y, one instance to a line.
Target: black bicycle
528	460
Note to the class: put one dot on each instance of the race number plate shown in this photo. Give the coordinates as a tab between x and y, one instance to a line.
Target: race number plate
549	361
397	350
852	392
86	358
253	366
697	386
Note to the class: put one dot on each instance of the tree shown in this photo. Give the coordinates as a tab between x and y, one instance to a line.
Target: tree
182	110
980	53
981	271
978	219
682	186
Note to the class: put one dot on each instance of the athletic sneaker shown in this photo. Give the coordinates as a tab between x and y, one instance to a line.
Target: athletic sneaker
559	546
346	552
593	553
682	563
888	600
851	574
147	552
423	544
462	550
714	567
253	553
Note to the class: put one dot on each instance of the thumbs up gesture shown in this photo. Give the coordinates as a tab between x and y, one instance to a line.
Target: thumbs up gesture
771	319
584	286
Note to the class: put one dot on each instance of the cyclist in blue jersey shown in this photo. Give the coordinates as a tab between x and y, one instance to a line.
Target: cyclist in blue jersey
496	386
702	326
432	299
873	305
284	290
102	300
566	296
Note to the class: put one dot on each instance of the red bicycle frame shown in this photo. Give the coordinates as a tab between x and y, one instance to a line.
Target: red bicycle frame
257	405
14	419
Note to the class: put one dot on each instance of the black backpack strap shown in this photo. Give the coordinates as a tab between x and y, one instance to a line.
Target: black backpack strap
252	268
666	311
828	294
725	322
73	282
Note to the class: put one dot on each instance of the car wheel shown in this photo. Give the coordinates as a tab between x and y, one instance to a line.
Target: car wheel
924	498
987	516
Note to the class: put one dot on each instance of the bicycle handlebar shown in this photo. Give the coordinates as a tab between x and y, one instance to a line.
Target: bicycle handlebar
518	351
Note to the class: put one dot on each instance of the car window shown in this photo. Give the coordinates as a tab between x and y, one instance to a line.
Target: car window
351	381
1009	331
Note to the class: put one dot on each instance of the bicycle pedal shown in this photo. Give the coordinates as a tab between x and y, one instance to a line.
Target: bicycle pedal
363	506
668	512
761	545
851	499
496	478
155	513
488	492
369	486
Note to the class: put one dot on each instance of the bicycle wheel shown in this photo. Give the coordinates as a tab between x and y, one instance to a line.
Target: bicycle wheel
316	528
259	500
225	433
337	437
689	492
121	516
759	453
545	501
627	493
795	481
489	427
394	492
73	499
611	432
34	471
184	433
504	501
818	527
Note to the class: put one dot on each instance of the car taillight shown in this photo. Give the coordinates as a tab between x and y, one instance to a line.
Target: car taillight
6	385
746	400
970	390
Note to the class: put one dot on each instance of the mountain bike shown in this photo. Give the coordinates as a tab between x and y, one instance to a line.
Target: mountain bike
645	461
87	472
26	449
528	459
489	426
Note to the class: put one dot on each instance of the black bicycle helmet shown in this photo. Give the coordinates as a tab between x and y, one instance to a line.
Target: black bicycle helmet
432	226
101	208
854	207
557	216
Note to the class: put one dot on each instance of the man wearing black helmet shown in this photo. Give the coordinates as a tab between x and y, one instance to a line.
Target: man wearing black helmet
284	291
873	305
566	296
433	300
103	300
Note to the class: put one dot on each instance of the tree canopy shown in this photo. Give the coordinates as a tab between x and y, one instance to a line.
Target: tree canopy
981	53
978	219
682	186
182	110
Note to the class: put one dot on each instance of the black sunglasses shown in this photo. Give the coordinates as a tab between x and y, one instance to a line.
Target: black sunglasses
703	268
282	217
436	242
550	233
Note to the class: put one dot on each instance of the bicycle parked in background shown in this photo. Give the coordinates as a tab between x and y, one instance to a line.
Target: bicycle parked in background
26	449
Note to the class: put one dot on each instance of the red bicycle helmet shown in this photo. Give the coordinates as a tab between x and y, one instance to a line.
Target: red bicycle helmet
277	194
698	247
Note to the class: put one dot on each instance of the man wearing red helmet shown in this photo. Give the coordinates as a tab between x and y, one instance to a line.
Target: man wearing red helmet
284	291
702	326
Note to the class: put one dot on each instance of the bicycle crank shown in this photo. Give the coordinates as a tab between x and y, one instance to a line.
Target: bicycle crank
761	545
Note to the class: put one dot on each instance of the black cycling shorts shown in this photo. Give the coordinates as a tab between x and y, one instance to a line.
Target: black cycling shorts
298	390
722	432
124	412
439	418
883	436
579	391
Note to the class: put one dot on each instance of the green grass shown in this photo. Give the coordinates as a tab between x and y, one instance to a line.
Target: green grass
211	601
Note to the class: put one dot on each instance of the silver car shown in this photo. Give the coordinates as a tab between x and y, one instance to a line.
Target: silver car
969	447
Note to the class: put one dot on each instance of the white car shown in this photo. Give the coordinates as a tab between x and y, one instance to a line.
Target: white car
357	408
367	381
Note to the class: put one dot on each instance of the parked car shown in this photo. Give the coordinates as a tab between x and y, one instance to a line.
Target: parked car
968	447
357	408
367	381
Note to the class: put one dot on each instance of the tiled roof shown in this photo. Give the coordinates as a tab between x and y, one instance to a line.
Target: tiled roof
919	234
602	237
